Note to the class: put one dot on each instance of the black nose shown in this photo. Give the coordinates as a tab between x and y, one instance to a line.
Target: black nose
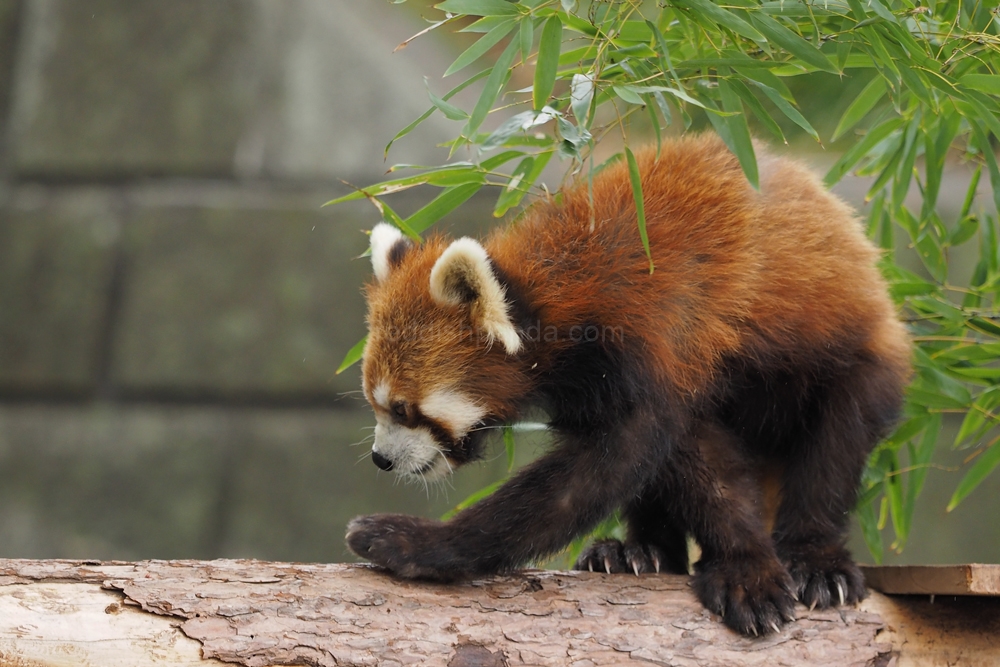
381	461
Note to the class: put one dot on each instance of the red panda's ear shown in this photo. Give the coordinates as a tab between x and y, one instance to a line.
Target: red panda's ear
463	275
388	247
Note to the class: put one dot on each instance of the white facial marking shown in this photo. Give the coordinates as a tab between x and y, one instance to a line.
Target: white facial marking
413	451
454	410
381	395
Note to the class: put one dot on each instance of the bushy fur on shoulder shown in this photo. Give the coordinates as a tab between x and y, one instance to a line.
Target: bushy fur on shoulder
733	395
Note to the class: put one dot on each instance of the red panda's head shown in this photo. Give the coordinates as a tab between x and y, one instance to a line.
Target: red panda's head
441	362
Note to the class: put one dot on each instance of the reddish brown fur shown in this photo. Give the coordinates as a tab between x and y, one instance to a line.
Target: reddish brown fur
734	393
791	260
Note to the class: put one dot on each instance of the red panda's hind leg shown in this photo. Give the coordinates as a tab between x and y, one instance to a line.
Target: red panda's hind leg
821	479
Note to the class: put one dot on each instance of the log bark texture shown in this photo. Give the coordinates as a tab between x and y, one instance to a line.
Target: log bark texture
258	613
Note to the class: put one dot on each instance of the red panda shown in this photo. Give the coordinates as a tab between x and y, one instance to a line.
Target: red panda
732	394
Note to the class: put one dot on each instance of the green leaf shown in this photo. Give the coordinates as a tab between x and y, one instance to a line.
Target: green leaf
495	81
978	419
515	192
626	94
983	466
581	94
472	499
353	355
736	133
859	108
482	45
640	207
508	443
868	520
986	83
860	149
758	109
526	36
547	62
444	176
518	123
790	112
716	14
479	7
442	205
793	43
881	10
920	458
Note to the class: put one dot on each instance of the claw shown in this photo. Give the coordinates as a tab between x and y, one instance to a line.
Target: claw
607	566
635	567
812	605
840	592
656	563
754	628
590	565
774	626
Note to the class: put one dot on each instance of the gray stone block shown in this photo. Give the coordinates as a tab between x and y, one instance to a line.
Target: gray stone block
9	14
240	301
294	89
112	87
160	482
56	259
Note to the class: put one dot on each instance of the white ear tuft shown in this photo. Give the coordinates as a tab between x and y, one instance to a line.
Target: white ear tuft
384	236
463	275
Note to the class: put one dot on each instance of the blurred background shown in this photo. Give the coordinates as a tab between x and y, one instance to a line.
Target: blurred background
174	301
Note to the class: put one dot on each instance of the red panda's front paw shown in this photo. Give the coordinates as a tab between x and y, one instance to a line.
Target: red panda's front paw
613	556
753	596
401	544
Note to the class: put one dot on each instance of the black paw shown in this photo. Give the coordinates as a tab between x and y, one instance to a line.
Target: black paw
614	557
753	596
404	545
825	579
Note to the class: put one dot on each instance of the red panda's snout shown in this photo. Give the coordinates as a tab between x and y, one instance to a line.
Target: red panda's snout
429	437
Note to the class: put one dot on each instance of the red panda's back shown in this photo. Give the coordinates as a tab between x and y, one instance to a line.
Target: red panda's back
736	270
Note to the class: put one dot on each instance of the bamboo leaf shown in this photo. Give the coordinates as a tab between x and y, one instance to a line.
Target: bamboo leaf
581	94
353	355
790	112
508	443
526	36
547	62
495	81
724	17
983	466
860	149
522	179
479	7
482	45
640	207
859	108
793	43
985	83
442	205
758	109
736	133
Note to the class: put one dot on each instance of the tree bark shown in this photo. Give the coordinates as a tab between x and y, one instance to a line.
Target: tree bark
258	613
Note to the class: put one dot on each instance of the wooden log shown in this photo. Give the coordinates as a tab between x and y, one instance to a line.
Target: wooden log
258	613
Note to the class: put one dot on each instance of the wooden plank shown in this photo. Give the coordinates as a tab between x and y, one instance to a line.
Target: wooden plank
970	579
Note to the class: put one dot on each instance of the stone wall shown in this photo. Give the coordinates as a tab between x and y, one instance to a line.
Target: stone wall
173	299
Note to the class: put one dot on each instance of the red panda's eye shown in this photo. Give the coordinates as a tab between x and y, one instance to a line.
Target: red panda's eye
398	409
